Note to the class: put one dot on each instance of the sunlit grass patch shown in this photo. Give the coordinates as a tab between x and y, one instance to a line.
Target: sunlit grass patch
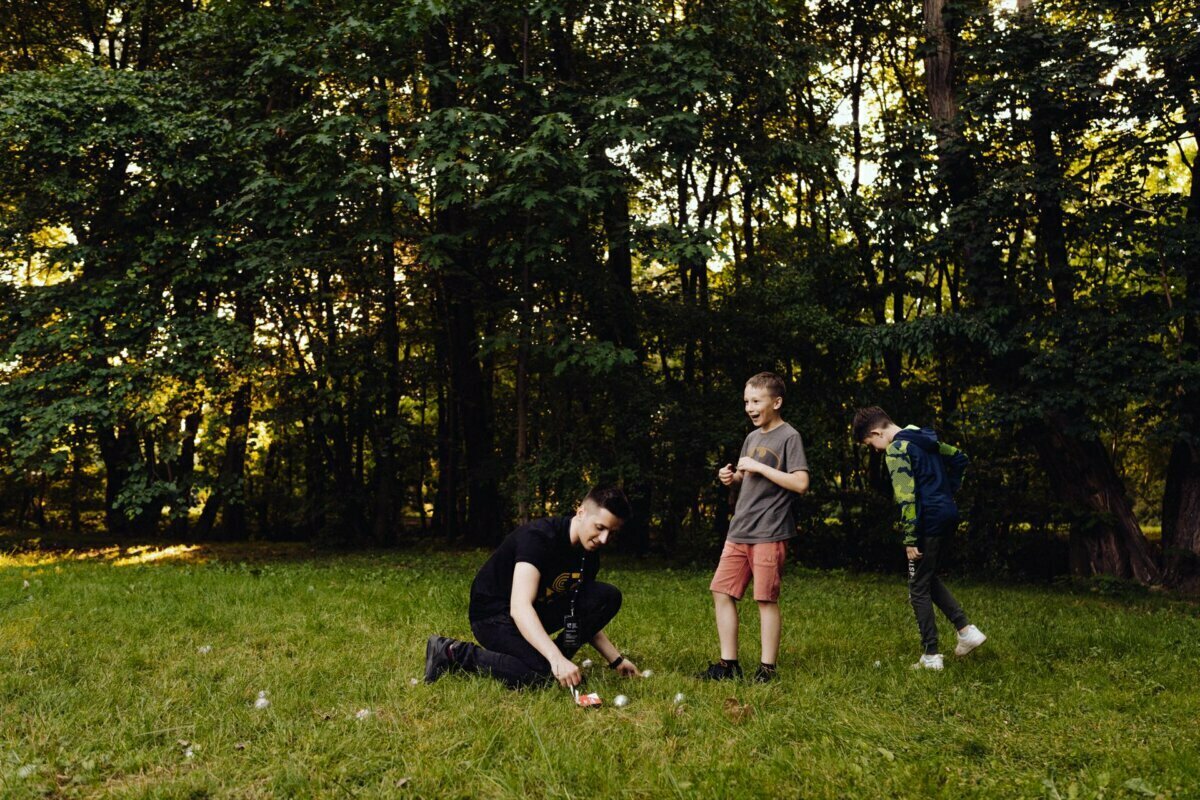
117	556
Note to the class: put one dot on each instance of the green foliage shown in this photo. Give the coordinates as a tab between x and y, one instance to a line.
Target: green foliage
335	267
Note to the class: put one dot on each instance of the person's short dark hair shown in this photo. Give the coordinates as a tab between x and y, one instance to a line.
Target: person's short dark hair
769	381
612	499
867	420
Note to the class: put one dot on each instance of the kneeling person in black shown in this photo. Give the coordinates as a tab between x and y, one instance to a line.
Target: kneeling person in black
541	579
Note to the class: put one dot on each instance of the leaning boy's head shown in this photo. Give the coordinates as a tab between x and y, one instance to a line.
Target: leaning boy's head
870	426
763	397
612	499
601	514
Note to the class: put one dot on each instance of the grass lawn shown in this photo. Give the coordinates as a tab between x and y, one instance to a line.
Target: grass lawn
138	677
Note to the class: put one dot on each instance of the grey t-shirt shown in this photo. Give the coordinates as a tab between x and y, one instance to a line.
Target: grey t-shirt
764	508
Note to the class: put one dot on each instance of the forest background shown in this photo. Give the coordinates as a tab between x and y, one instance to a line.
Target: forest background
358	272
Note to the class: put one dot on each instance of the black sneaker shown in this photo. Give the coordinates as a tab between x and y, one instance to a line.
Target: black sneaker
765	674
437	657
721	671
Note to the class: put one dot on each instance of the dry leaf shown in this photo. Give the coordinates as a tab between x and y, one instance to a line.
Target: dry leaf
738	712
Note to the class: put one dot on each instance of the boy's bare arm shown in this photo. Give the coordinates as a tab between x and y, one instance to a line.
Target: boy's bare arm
792	481
524	590
610	653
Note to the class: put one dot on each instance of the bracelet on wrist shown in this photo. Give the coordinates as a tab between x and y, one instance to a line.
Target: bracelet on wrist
616	662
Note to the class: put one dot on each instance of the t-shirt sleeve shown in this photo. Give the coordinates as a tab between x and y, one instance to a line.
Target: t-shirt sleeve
793	458
745	451
531	548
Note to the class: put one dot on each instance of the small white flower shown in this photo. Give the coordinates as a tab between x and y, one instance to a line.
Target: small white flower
679	698
25	585
262	701
413	681
204	649
189	753
877	664
362	713
647	673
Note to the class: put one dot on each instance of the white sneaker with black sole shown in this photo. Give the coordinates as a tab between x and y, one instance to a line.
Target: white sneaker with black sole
968	639
933	662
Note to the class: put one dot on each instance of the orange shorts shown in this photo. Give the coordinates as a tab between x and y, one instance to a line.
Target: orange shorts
740	562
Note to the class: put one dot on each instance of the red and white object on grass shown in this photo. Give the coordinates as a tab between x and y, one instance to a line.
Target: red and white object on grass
589	700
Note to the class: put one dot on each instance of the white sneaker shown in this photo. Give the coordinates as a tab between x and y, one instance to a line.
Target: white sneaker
970	638
933	662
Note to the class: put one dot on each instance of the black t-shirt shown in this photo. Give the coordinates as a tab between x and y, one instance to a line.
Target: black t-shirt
546	544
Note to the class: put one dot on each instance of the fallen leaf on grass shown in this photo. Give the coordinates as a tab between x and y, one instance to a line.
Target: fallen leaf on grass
1140	786
400	784
738	712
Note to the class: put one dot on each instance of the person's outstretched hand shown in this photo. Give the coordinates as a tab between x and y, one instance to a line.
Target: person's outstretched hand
628	669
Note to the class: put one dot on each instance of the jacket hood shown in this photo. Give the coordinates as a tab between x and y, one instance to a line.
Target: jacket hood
924	438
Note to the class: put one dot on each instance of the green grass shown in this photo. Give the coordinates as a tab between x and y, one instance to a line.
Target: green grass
103	689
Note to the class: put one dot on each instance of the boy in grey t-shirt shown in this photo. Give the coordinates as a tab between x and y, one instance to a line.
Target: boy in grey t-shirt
770	468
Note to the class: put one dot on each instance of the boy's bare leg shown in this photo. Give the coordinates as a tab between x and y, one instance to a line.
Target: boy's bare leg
770	625
727	624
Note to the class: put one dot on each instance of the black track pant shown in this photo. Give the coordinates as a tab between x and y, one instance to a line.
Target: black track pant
510	658
926	590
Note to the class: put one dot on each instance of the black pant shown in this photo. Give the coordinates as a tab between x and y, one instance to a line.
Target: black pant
926	590
512	659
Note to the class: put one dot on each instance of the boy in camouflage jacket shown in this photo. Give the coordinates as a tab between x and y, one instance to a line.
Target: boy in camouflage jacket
925	475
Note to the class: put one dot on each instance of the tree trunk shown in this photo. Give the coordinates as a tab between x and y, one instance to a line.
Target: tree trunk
119	456
957	168
230	489
457	287
182	472
76	488
1105	536
623	329
522	391
1181	496
386	516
